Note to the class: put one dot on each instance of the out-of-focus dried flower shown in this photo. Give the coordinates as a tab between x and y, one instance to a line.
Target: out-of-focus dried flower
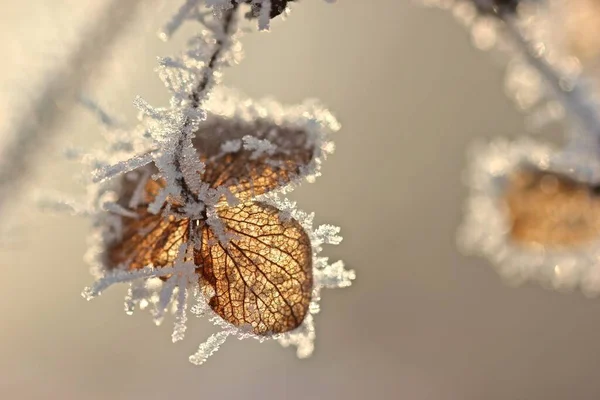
551	209
533	211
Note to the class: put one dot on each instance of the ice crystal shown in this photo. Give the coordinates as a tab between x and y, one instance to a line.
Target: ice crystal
534	210
187	205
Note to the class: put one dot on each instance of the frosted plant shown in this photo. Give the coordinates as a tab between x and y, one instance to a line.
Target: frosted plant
534	214
188	208
534	209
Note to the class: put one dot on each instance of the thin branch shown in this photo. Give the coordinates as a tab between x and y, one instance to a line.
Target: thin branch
577	99
199	93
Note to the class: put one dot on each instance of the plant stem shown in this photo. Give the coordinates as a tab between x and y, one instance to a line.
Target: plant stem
577	99
199	93
228	23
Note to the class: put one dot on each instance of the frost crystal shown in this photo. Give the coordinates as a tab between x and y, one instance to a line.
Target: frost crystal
187	207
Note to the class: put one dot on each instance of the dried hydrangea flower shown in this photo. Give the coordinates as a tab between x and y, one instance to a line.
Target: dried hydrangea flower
186	206
533	212
251	259
256	263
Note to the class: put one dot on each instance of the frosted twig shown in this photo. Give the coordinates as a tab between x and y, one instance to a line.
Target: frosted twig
122	167
178	19
99	112
180	313
119	210
576	99
198	94
208	348
120	276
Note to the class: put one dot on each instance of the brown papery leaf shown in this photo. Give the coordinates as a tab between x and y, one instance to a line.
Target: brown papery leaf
244	174
149	240
263	277
246	177
552	210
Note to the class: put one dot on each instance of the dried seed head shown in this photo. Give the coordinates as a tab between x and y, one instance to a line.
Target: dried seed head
552	210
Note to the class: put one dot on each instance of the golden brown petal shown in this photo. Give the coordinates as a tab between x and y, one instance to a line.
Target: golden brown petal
149	240
552	210
263	277
247	176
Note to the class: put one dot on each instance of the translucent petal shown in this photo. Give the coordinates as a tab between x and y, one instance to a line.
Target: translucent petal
148	240
246	177
262	278
244	170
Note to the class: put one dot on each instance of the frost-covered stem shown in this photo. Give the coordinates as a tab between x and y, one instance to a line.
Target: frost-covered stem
199	93
577	99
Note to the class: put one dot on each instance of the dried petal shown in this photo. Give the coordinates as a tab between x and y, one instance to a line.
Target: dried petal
148	240
245	171
246	177
551	209
263	277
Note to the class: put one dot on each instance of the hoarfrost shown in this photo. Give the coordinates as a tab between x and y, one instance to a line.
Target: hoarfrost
209	347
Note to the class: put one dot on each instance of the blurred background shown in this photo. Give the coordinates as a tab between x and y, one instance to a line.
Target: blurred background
420	322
